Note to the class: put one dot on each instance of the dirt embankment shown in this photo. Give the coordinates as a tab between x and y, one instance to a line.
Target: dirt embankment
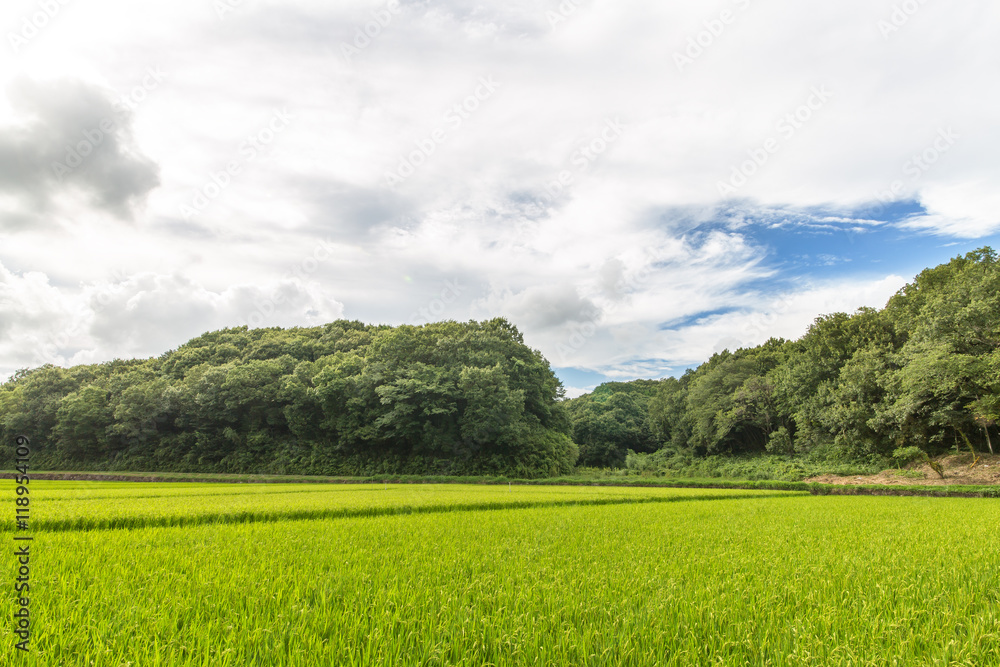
958	469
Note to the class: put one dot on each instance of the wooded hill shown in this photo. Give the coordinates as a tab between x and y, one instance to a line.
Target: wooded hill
472	398
342	399
922	372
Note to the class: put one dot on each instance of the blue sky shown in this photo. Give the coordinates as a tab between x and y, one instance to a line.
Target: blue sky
635	185
817	246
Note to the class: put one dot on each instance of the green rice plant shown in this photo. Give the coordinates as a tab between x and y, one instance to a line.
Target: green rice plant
132	505
735	578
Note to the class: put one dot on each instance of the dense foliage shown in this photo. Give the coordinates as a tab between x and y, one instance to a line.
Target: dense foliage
345	398
452	398
922	372
611	420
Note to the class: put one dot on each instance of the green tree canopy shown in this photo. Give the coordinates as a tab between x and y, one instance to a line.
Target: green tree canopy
344	398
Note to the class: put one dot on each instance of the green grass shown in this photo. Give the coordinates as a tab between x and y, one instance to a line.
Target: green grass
586	477
650	576
121	505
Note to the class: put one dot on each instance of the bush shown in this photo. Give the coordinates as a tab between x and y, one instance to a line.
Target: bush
673	463
905	455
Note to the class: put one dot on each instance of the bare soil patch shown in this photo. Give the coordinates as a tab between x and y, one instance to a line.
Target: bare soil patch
956	472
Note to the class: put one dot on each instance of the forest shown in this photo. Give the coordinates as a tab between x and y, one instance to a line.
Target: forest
341	399
921	375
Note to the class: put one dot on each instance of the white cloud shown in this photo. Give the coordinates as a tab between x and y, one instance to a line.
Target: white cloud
574	392
68	140
479	209
139	315
640	347
969	209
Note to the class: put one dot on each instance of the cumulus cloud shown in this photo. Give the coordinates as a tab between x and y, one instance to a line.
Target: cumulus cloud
576	191
964	210
637	347
71	136
139	315
543	306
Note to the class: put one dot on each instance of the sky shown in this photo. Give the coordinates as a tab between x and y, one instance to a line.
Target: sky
635	185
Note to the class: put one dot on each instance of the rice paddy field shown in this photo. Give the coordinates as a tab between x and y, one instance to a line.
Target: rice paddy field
147	574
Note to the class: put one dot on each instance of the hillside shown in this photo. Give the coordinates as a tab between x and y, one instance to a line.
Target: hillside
342	399
958	470
922	372
471	398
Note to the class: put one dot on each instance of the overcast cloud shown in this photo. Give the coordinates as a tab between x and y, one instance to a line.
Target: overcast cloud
635	185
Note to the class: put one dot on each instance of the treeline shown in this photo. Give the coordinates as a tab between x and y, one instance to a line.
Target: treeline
472	399
922	372
341	399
